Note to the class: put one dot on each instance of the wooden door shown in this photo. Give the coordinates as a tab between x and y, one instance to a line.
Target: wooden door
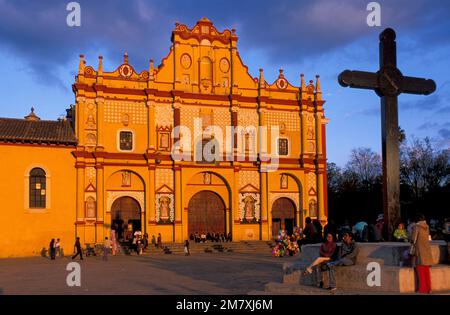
283	210
206	213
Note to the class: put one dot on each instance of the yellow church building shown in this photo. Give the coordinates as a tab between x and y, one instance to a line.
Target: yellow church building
193	145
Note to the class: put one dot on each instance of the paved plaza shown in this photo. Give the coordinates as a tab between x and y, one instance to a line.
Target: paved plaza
202	273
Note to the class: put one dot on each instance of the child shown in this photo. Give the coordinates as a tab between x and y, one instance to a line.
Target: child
186	248
400	234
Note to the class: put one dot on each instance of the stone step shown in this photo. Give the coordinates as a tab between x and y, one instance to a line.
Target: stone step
239	247
274	288
388	253
393	279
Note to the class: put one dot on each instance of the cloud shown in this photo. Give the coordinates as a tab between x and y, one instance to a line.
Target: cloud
372	111
427	126
444	142
445	133
288	31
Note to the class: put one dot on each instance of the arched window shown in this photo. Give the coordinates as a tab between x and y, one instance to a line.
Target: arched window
38	192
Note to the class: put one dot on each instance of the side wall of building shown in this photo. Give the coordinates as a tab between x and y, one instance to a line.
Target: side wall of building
25	231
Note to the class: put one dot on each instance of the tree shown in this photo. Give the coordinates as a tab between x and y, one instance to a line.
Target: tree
423	168
334	176
364	167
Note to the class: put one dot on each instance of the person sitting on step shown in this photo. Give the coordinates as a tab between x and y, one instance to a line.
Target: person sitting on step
347	257
326	253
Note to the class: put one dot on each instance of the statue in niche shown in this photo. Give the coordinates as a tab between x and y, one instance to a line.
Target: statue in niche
90	207
310	132
90	123
126	179
164	208
282	128
313	209
164	141
284	181
249	208
207	178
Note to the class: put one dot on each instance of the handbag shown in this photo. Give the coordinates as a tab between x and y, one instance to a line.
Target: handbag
412	249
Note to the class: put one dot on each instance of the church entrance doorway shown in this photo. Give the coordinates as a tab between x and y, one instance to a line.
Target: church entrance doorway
283	216
206	213
125	217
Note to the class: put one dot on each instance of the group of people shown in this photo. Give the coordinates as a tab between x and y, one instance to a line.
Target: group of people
54	249
138	243
332	256
157	242
204	237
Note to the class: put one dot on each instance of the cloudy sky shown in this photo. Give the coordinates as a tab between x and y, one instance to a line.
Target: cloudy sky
39	53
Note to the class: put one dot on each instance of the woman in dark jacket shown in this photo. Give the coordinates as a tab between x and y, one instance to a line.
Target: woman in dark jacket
326	253
52	249
422	258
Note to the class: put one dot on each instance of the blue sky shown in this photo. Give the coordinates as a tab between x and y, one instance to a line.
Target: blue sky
39	53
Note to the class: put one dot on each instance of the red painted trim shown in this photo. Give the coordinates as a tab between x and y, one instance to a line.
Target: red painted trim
124	164
115	156
28	144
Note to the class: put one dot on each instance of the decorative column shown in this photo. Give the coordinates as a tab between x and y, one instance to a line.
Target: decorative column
178	231
320	197
80	166
100	101
103	218
235	204
234	123
266	215
151	196
151	125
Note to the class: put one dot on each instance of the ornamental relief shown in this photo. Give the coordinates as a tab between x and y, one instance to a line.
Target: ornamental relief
249	208
111	196
164	208
249	177
295	197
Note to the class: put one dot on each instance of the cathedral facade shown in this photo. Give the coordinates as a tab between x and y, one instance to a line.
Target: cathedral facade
193	145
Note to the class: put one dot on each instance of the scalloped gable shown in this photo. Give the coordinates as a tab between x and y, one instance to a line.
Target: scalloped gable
204	29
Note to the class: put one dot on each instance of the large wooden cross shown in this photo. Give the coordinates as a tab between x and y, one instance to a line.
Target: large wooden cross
388	83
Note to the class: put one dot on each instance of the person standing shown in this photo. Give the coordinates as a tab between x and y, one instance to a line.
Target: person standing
309	232
186	248
113	242
107	244
159	244
77	249
145	241
58	248
52	249
422	258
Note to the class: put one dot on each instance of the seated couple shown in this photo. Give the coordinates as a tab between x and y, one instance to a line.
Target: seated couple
330	256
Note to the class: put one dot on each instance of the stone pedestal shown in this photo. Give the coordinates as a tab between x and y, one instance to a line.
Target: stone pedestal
396	275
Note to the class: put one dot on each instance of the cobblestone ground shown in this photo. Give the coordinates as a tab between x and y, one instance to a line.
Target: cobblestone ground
218	273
